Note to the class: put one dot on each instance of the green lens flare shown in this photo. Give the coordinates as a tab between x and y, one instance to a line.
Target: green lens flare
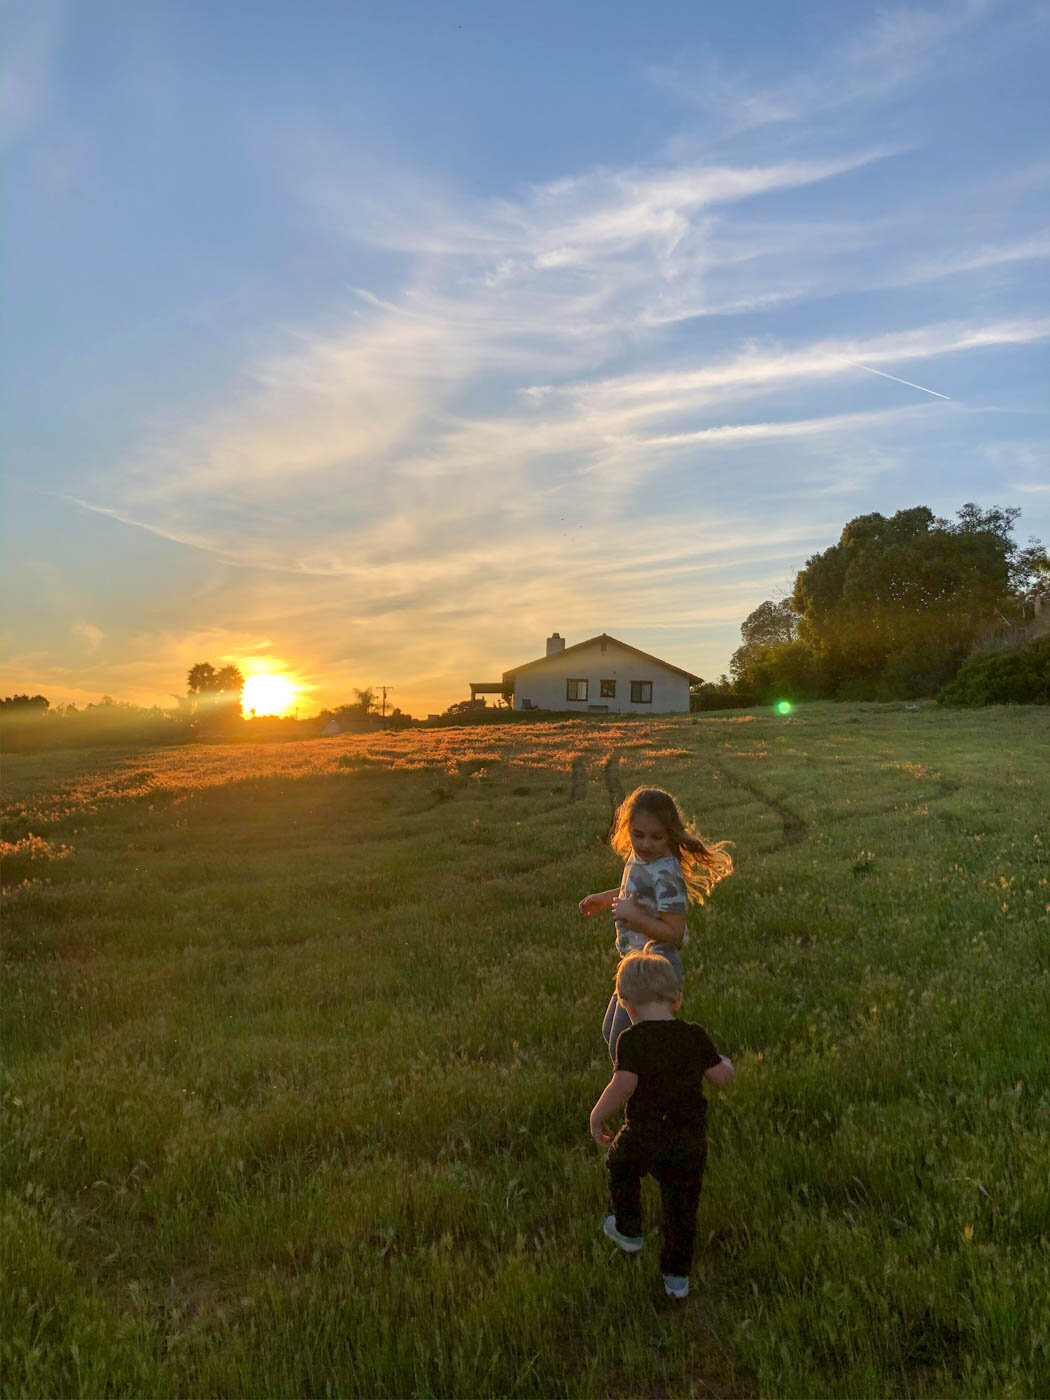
783	707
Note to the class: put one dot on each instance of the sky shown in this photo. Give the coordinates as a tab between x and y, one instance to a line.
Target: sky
371	344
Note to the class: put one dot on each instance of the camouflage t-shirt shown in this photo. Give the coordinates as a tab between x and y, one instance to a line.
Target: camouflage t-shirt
659	887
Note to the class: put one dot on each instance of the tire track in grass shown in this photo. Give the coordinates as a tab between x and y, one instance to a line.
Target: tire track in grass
795	828
613	784
578	788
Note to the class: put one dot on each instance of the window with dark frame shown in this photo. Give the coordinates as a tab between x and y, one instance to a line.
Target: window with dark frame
608	689
641	692
576	690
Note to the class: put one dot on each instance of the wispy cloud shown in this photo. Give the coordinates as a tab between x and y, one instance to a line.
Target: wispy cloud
895	47
33	31
88	634
798	428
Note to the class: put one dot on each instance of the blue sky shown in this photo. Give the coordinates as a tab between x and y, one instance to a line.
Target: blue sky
373	343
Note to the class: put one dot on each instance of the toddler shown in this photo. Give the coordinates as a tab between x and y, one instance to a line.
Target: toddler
658	1074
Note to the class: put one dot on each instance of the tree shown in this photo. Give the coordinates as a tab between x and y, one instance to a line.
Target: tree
894	607
25	704
770	625
909	586
216	692
201	678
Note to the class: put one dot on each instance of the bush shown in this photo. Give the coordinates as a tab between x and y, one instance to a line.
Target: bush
709	696
1020	676
787	671
106	723
919	670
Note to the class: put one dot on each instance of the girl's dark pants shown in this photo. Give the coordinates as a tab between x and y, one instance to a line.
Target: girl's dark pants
677	1163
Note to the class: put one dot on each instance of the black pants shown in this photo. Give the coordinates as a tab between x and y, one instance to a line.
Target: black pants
677	1164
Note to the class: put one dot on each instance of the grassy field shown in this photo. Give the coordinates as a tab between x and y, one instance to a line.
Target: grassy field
300	1042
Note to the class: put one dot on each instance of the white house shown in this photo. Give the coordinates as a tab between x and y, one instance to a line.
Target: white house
599	676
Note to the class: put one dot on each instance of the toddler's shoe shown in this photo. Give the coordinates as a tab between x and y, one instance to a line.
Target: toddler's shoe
675	1286
630	1244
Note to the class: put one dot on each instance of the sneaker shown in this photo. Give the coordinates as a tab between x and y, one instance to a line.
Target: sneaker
675	1286
630	1244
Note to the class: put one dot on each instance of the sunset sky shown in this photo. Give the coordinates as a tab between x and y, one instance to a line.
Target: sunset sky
371	343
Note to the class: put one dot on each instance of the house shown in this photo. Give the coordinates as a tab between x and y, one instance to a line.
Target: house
598	676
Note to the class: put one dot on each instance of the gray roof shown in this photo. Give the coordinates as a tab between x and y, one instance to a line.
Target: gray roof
602	637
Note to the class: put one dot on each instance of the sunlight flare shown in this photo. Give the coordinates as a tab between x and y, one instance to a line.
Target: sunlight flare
268	695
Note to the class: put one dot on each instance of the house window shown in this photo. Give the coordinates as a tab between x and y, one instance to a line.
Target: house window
576	690
641	692
608	689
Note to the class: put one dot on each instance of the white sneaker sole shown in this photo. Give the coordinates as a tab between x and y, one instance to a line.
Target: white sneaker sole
628	1245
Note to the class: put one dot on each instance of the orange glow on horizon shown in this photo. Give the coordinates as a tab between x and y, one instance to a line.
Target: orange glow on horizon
268	694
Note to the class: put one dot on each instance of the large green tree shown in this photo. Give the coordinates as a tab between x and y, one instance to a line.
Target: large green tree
900	600
892	609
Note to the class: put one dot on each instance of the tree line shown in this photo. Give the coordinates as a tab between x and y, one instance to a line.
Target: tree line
893	611
210	706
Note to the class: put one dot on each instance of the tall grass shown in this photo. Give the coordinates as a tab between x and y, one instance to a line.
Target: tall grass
299	1047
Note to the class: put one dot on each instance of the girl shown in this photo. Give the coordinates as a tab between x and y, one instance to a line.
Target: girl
667	865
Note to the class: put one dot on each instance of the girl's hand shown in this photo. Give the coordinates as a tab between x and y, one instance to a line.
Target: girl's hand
591	904
626	909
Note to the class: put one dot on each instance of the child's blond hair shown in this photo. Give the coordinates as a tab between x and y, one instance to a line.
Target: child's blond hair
703	863
647	976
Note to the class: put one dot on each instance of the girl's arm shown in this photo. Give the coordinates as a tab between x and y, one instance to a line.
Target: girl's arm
591	903
664	928
615	1094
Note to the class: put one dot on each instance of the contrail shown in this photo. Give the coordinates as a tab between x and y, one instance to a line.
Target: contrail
899	381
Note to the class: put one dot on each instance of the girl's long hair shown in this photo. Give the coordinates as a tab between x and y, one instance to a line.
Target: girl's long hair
703	863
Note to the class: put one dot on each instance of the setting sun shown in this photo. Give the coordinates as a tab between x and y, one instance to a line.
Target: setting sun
268	695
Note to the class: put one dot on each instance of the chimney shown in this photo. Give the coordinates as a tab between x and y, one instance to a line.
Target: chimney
556	642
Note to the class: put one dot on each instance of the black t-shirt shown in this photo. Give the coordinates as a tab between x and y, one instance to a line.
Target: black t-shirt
669	1058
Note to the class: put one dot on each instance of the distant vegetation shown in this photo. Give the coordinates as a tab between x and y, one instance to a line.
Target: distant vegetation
35	726
1019	676
214	695
210	709
894	609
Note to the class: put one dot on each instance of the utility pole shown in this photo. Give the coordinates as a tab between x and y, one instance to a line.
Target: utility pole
384	689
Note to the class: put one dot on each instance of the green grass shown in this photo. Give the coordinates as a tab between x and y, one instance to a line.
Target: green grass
300	1043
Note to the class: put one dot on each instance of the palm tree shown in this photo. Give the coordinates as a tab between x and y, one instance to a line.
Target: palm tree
200	679
219	692
203	679
229	680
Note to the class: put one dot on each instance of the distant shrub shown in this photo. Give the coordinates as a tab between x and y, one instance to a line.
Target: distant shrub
1020	676
787	671
710	696
109	722
493	714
